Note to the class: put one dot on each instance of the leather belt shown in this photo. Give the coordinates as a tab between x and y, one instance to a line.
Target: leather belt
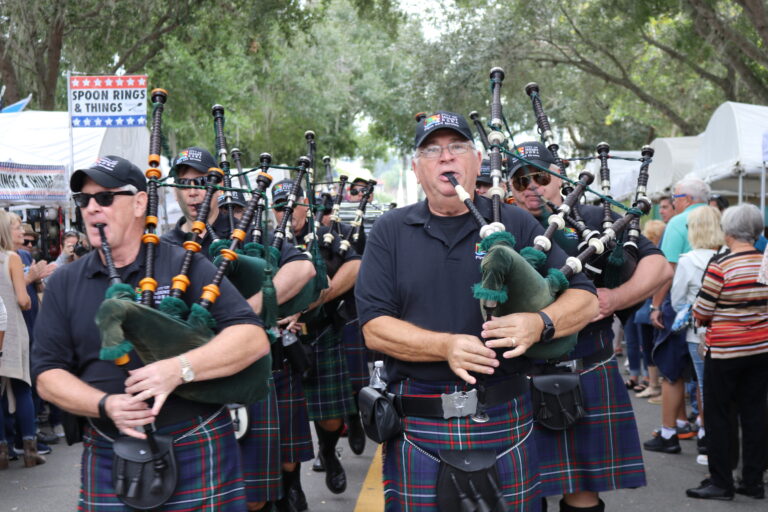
590	360
460	403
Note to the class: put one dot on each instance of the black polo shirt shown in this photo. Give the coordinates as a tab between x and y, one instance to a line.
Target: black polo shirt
67	336
176	236
422	272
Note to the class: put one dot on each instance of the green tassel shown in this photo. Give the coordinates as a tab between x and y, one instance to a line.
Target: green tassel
121	291
501	237
200	317
481	293
174	307
115	352
216	247
534	256
612	278
557	281
268	299
254	249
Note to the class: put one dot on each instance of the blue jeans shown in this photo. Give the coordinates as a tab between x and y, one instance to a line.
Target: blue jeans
698	366
25	409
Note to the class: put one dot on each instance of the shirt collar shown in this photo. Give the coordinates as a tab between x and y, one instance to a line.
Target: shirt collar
94	266
420	214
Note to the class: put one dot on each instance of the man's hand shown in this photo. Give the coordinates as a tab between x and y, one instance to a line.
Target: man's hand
465	353
656	319
607	302
156	380
518	330
291	323
127	414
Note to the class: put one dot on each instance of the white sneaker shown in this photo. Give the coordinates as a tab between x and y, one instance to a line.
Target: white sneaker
59	430
703	460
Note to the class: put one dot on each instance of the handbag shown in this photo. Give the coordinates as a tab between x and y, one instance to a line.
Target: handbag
142	479
381	421
557	400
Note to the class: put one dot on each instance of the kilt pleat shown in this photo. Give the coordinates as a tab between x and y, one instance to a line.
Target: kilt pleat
411	464
329	393
208	460
357	356
295	436
260	450
602	451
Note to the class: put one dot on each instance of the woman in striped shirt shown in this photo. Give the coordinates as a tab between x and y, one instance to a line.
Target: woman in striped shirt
734	307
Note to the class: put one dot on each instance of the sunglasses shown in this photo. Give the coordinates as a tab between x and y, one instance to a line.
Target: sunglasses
105	198
30	243
521	181
200	181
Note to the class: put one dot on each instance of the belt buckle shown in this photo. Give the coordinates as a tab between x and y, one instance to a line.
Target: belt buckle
575	365
459	404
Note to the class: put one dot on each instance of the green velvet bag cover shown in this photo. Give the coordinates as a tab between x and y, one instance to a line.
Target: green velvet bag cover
125	324
510	280
246	273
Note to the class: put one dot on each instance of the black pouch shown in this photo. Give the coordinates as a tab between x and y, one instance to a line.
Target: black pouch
73	427
300	357
139	481
557	400
377	411
468	480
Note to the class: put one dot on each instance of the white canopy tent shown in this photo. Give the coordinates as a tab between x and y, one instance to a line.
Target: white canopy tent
730	157
623	175
673	158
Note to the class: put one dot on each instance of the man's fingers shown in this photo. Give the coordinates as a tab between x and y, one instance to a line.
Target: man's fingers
464	375
159	401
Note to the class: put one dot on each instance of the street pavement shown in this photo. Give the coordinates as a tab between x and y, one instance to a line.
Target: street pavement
53	487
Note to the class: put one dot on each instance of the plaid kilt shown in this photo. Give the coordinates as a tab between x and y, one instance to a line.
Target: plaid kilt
295	437
357	355
329	393
260	450
210	476
602	451
411	462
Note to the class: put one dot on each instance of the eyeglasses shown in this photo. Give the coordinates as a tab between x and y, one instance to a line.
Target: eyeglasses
678	196
279	209
29	243
105	198
521	180
435	150
200	181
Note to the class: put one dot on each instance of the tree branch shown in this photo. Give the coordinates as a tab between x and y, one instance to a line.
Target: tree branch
155	34
757	14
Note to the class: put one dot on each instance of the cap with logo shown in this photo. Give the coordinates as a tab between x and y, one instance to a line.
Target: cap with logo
485	172
282	189
533	152
237	199
441	119
111	172
197	158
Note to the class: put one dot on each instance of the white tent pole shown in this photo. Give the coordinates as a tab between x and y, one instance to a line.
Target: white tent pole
71	166
762	189
741	187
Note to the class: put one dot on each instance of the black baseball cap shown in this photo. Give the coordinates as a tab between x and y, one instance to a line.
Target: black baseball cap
200	159
534	152
282	189
485	172
111	172
237	198
426	125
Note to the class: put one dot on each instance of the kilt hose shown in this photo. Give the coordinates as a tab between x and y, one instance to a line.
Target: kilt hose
357	355
295	437
260	450
601	452
411	462
329	391
210	475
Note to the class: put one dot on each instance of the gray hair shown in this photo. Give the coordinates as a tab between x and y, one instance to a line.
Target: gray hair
743	222
694	187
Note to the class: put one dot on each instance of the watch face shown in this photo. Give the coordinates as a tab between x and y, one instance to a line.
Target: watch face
187	375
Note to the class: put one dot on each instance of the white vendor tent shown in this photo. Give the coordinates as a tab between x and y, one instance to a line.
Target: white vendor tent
623	175
730	158
673	158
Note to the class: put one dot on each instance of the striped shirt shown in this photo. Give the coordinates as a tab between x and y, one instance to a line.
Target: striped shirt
735	305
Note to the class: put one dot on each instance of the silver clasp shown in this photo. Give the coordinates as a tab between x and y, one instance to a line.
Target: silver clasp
459	404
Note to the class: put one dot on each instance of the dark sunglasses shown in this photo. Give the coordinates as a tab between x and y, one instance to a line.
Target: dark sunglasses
29	242
200	181
102	198
280	208
521	181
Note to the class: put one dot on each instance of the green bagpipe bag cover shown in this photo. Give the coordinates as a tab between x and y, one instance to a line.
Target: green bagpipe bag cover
511	279
126	325
247	272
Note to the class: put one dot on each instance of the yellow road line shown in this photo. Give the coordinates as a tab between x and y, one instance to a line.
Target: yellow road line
371	497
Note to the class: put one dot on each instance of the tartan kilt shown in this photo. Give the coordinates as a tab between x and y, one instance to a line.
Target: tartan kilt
260	450
601	452
295	437
208	459
357	355
410	462
329	392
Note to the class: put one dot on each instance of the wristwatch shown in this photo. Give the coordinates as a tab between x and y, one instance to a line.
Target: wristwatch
652	308
549	328
187	373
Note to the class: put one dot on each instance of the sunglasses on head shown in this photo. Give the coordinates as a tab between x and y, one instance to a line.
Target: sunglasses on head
520	181
105	198
200	181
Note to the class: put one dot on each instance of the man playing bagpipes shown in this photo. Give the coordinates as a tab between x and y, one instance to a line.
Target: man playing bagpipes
327	385
260	446
601	451
112	196
415	304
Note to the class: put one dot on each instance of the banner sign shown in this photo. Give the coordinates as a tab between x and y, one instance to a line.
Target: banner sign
108	101
35	184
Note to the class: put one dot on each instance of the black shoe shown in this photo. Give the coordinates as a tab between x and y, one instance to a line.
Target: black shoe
318	465
297	498
356	434
335	477
701	445
757	492
708	491
47	438
281	505
659	444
